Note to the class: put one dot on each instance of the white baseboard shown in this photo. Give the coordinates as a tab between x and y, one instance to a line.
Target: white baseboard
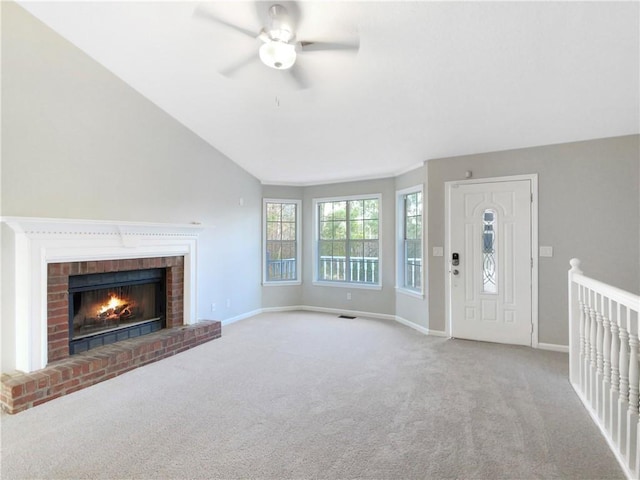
337	311
553	347
353	313
242	316
290	308
438	333
410	324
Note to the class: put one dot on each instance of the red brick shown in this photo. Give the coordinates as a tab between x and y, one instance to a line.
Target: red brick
66	385
90	378
57	288
46	399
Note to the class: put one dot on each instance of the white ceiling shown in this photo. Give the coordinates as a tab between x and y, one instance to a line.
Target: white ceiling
430	80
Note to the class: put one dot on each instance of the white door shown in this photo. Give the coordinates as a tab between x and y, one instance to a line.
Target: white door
490	287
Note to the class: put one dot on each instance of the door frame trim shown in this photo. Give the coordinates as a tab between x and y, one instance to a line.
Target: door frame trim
533	178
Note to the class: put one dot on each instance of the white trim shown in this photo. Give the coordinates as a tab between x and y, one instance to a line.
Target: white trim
410	324
282	283
337	311
399	239
438	333
410	293
242	316
40	241
533	178
298	279
360	285
316	233
343	311
553	347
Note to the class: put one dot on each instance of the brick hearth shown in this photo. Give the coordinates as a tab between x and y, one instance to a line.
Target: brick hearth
25	390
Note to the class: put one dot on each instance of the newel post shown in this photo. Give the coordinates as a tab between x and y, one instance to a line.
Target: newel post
574	323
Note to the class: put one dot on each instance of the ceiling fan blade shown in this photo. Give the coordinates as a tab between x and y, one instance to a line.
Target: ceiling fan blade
232	69
299	77
203	13
306	46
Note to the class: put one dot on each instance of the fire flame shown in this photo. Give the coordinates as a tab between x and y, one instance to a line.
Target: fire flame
114	302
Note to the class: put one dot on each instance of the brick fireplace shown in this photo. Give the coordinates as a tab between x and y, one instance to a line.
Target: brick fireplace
58	299
41	256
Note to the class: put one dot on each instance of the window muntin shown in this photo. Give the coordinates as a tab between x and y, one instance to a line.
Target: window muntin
410	240
348	244
489	271
281	241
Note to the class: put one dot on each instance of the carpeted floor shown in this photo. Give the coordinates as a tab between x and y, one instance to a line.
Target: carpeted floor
309	395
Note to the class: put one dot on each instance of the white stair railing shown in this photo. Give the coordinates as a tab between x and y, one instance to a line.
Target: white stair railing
604	361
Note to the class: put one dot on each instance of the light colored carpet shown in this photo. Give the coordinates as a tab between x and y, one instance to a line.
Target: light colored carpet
309	395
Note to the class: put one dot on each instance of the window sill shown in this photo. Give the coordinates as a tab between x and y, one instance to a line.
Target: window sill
410	293
362	286
282	284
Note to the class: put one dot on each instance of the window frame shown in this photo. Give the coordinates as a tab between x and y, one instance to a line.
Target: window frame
316	238
298	240
400	239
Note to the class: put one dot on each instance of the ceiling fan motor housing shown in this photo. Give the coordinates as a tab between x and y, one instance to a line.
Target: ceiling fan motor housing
277	51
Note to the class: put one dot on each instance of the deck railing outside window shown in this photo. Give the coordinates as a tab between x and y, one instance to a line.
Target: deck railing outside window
359	269
284	269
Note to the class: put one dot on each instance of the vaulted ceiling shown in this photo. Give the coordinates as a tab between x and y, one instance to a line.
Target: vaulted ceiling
430	79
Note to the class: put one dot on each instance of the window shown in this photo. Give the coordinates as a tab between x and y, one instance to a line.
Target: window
489	251
409	245
348	242
281	241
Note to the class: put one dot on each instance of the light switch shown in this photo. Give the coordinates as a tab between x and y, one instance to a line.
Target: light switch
546	251
438	251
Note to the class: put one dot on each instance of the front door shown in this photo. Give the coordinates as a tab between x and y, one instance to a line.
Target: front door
490	260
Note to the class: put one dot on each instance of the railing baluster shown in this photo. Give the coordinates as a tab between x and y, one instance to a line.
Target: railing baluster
606	344
606	363
594	348
599	335
604	352
634	400
587	341
582	320
624	363
615	352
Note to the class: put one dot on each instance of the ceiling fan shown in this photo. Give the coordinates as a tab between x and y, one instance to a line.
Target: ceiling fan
280	47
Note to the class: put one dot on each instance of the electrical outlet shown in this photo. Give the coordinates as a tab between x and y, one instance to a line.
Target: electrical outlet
348	295
213	307
228	303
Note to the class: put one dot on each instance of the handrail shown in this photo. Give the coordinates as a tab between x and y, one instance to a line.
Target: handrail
616	294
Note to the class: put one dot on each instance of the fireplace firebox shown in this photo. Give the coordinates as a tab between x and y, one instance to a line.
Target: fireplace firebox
105	308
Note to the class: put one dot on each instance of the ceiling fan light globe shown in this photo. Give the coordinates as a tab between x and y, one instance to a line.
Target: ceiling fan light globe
278	55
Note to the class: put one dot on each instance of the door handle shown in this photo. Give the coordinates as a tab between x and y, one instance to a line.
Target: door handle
455	272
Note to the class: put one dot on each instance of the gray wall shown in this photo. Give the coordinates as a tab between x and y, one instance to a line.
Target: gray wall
589	208
377	301
80	143
416	310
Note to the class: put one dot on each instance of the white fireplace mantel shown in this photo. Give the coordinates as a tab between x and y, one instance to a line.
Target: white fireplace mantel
33	243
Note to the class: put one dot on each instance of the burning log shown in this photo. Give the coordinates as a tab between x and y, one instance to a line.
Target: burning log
116	310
